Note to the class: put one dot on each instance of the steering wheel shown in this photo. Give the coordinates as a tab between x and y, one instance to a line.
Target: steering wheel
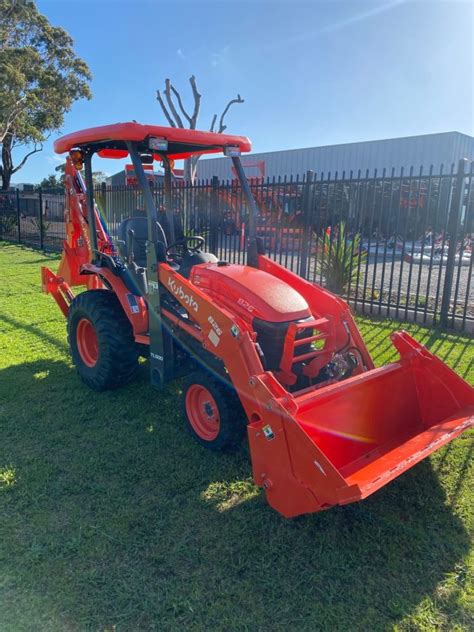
183	245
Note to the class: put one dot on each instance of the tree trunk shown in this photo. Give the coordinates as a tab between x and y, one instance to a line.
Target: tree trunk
188	176
190	169
7	164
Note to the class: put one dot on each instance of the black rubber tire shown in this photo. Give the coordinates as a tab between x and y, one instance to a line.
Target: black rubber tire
118	353
232	426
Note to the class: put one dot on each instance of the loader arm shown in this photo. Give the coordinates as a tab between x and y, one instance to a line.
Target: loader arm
324	303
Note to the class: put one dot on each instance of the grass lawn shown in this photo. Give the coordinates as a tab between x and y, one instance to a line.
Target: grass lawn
112	518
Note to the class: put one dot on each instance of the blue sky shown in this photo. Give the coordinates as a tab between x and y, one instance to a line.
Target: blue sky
312	73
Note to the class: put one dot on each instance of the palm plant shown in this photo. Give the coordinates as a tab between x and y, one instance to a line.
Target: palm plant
338	257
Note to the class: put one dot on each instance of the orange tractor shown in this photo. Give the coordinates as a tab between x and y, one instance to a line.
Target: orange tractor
261	349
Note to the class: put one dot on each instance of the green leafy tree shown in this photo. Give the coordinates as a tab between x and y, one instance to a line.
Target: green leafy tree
51	182
40	78
98	177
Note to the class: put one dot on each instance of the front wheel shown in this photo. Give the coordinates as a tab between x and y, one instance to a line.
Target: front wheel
213	413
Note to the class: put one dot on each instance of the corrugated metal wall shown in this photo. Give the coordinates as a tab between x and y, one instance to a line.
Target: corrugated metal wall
416	151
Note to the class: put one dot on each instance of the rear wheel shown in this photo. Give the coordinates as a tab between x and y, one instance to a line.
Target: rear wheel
213	413
102	345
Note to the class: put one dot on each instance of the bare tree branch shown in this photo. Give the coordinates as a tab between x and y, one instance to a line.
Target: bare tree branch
170	110
165	111
169	100
180	103
214	119
223	127
197	102
25	158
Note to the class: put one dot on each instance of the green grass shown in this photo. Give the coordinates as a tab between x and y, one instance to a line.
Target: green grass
112	518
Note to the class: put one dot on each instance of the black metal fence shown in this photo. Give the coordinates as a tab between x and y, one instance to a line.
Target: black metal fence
396	244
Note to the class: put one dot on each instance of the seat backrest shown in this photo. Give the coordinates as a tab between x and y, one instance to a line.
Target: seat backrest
139	226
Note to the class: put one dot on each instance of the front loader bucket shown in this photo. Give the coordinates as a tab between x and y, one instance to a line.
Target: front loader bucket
347	440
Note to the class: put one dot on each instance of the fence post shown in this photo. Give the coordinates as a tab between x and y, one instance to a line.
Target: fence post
214	215
18	214
41	228
307	228
454	218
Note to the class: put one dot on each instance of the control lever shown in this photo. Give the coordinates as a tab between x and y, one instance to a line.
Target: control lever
130	239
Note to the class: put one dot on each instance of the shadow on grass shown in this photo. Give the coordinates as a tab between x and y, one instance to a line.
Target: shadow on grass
450	348
117	517
37	331
47	254
51	256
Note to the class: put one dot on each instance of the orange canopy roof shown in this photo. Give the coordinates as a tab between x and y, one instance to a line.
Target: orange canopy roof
109	140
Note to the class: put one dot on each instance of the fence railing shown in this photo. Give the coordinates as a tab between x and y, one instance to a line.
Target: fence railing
396	244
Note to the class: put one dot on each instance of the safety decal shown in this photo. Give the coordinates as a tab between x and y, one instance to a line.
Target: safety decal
215	333
268	432
214	338
132	302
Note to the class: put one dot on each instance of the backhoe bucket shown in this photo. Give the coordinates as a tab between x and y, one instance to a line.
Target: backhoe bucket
347	440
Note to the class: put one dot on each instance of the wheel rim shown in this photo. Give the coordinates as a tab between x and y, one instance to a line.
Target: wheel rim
202	412
87	343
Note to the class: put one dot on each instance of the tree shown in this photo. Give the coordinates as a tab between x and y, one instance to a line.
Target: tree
40	78
175	118
98	177
51	182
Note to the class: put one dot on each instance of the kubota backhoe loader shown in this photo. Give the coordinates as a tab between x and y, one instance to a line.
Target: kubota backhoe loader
325	427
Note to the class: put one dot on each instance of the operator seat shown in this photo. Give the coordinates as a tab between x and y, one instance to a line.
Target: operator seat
139	225
135	272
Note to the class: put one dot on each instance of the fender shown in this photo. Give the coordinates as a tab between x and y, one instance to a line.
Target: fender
136	314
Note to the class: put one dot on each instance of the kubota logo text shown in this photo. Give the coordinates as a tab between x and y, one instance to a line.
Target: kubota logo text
181	294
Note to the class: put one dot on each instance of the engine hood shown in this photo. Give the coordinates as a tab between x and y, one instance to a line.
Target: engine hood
250	292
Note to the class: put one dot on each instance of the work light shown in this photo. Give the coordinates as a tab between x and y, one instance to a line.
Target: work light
158	144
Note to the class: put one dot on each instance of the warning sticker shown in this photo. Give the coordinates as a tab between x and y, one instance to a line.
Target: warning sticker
132	301
268	432
214	338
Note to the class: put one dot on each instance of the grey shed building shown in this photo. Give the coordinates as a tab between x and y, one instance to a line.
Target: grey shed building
426	150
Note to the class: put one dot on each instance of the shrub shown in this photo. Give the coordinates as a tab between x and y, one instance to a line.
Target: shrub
8	217
337	258
35	222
